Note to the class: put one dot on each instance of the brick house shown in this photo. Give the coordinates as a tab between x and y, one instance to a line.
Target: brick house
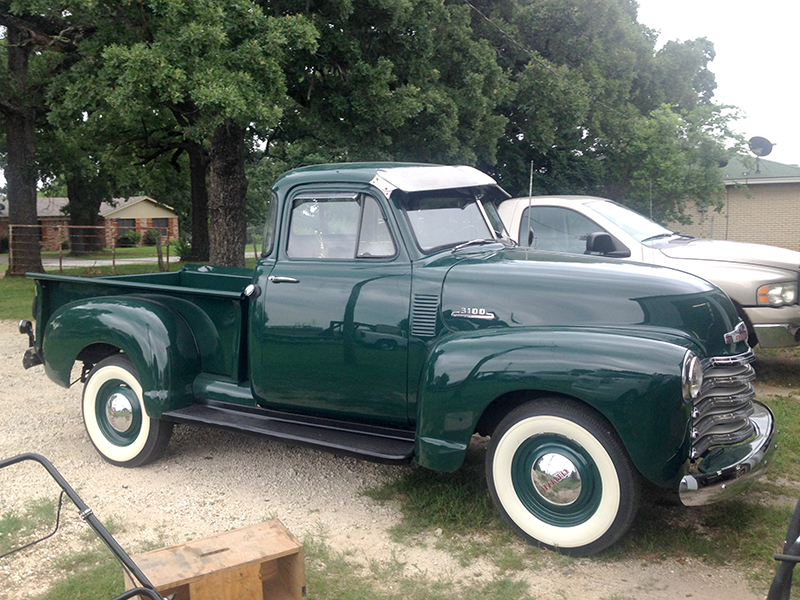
51	218
137	213
761	205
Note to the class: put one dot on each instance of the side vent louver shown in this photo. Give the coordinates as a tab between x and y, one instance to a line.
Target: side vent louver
423	315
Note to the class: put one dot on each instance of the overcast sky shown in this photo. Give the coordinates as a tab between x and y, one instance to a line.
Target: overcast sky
756	66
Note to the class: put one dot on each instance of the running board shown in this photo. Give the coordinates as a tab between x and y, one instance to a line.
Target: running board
377	444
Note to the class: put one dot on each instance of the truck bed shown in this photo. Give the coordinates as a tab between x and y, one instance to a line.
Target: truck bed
199	293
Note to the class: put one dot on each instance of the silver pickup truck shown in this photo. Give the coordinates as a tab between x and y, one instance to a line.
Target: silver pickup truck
761	280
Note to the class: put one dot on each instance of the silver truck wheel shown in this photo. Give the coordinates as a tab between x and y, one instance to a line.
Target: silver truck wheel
115	418
561	477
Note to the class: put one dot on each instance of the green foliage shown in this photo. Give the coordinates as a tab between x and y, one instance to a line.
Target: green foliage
151	237
183	248
206	63
590	103
571	89
392	81
668	159
128	239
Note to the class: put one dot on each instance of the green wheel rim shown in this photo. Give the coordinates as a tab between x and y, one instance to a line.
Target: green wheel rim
113	435
573	514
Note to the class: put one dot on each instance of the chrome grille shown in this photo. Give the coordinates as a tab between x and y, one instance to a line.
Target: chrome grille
721	413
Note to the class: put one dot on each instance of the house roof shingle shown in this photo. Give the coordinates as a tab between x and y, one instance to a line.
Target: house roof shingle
752	171
52	208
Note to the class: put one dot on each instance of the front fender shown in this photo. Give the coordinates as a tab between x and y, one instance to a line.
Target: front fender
158	341
634	382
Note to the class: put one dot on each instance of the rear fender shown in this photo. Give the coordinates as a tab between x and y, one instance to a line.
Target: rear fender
158	341
634	382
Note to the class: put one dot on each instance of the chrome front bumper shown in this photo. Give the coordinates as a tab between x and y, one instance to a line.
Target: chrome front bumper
777	336
775	327
727	470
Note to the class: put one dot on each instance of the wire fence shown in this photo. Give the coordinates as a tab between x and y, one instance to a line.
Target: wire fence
66	245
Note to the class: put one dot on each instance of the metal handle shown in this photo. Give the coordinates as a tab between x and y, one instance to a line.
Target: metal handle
89	517
273	279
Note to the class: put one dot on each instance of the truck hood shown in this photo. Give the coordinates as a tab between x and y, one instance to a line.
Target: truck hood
731	252
524	288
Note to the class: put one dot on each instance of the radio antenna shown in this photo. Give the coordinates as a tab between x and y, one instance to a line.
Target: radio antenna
530	185
528	233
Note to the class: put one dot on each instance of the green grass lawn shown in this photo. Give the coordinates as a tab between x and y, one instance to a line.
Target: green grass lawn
16	296
16	293
107	253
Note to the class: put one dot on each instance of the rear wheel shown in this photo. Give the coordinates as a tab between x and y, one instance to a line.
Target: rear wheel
560	476
115	417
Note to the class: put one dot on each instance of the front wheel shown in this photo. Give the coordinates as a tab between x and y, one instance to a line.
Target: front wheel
560	476
115	417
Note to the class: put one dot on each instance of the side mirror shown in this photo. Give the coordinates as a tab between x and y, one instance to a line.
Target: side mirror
603	244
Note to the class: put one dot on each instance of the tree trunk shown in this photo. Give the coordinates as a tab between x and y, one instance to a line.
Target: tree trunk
198	165
228	188
84	209
20	172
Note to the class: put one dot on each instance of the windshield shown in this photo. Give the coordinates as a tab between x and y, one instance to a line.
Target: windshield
447	218
631	222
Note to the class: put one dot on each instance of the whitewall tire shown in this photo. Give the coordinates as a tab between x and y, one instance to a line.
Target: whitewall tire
115	416
561	477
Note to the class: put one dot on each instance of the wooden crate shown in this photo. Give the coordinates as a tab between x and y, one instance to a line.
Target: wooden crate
259	562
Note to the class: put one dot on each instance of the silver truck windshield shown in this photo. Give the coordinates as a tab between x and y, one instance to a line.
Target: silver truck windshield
639	227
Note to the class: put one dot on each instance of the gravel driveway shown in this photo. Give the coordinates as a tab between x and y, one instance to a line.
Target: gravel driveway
211	481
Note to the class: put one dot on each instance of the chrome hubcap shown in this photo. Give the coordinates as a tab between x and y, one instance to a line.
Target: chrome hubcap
119	412
556	479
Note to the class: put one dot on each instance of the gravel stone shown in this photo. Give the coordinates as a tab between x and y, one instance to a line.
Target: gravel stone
211	481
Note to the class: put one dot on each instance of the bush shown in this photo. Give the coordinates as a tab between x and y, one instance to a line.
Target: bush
184	249
151	237
129	239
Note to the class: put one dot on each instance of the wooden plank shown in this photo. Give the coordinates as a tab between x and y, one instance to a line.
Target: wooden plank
236	584
191	561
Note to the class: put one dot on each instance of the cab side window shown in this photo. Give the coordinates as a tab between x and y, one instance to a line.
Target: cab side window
375	239
555	229
338	226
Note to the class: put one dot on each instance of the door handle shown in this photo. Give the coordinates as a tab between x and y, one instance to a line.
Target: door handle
273	279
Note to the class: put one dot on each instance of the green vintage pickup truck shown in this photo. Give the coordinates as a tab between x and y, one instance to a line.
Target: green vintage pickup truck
389	317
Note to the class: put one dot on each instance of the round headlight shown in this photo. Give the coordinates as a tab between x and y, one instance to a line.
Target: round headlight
692	376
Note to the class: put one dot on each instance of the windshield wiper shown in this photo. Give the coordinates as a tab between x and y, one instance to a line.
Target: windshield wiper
476	242
666	235
658	237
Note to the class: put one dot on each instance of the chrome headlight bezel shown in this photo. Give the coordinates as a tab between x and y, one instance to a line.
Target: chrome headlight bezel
692	376
777	294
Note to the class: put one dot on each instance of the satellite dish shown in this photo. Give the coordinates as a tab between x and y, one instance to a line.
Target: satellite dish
760	146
